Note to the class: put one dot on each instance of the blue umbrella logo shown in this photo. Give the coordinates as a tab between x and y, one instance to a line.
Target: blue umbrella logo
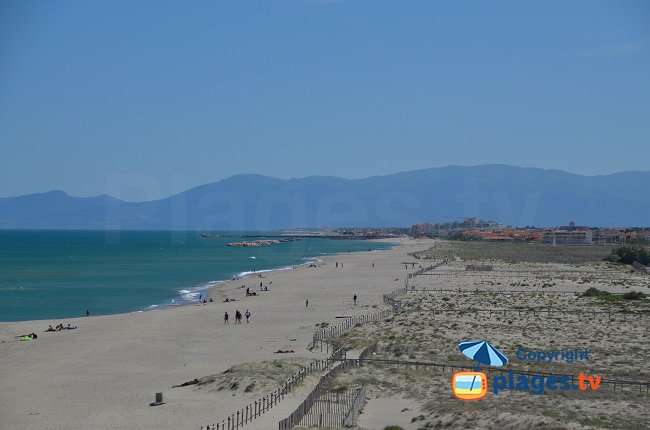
482	351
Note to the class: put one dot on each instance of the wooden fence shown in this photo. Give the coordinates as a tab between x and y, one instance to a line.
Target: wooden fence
257	408
537	312
355	410
367	351
425	270
534	311
335	409
321	336
615	384
391	300
518	274
304	408
415	289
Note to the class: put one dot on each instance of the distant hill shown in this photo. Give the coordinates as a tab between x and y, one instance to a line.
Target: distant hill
511	195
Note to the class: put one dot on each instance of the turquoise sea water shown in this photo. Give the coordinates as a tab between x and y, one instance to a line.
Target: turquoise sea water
60	274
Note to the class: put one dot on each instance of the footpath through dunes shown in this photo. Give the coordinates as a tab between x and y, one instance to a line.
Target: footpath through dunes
104	374
417	350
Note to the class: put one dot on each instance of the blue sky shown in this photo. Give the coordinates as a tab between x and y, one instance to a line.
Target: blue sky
141	99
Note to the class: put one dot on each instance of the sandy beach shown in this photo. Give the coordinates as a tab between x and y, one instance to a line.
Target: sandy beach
104	374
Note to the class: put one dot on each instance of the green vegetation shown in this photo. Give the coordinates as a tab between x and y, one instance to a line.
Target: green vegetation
600	294
629	255
604	295
634	295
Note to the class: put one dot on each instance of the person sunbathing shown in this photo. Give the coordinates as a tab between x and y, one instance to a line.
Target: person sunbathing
69	327
27	336
49	328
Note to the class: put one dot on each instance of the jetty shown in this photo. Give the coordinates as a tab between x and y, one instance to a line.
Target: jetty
297	236
256	243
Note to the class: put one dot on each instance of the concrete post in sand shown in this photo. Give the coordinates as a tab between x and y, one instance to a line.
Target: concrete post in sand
159	400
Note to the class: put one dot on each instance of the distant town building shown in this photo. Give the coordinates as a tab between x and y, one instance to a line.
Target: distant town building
476	229
562	236
455	227
622	236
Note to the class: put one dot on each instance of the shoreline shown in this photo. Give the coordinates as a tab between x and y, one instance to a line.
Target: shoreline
104	374
206	288
211	287
217	289
214	288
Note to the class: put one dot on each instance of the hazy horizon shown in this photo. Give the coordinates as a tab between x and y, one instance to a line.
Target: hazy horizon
288	178
182	94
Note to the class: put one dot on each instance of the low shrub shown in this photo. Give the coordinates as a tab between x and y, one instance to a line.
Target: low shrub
634	295
600	294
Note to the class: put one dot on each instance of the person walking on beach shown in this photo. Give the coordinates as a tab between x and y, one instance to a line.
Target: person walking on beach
307	303
337	264
225	318
355	299
248	316
237	317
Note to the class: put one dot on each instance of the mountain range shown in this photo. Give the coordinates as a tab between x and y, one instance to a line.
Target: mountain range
511	195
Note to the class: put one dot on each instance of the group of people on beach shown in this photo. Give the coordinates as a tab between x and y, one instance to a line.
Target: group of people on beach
204	300
238	317
60	327
253	293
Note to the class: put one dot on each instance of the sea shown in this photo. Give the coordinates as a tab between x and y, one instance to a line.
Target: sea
61	274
